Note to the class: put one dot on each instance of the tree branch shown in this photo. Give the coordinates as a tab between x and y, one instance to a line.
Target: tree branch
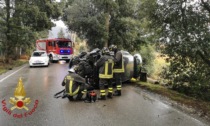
205	5
206	60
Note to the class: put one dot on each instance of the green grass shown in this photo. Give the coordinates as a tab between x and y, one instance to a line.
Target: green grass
203	106
2	70
5	67
19	62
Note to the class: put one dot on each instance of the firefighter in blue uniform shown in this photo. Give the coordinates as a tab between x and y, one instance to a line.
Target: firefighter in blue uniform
118	68
105	65
74	85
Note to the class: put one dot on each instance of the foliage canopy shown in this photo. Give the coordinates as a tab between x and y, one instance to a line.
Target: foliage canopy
184	33
106	22
21	22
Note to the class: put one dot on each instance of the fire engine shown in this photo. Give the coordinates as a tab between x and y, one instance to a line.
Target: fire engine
57	49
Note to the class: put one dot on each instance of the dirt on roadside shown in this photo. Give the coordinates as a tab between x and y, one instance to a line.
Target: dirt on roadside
197	108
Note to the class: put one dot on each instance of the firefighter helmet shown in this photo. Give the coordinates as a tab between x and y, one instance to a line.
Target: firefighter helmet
105	50
71	70
113	48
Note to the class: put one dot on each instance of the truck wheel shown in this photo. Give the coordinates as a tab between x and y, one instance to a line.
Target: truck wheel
51	58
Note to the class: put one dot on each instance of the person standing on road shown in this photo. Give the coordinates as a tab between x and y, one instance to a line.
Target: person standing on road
118	69
105	65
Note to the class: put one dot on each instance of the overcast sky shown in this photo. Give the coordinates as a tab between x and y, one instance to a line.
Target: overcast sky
54	30
59	25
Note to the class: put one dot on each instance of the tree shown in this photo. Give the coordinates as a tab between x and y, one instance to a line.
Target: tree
22	19
106	22
2	28
184	33
61	34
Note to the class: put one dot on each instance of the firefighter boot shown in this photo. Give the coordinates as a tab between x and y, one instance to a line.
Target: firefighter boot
109	95
117	93
79	97
102	97
70	98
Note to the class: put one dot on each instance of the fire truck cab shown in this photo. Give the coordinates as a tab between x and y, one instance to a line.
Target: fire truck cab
57	49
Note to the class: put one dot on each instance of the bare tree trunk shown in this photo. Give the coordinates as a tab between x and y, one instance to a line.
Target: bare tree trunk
20	52
107	23
8	30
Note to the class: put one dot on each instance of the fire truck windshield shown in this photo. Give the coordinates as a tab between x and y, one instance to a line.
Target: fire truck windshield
62	44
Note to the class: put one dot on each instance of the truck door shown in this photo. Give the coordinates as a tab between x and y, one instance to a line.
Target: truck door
52	46
50	49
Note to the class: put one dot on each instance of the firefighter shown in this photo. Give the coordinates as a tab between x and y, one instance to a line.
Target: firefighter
74	85
105	65
118	69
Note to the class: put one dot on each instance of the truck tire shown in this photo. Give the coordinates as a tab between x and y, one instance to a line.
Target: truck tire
51	59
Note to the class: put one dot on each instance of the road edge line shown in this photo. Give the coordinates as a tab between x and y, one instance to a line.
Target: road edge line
12	74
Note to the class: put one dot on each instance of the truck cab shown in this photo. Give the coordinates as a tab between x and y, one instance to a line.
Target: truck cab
57	49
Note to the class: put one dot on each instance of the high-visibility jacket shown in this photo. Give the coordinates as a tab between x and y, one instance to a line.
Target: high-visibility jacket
105	65
119	63
73	83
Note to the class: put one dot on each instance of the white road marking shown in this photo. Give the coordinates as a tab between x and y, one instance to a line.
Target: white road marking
11	74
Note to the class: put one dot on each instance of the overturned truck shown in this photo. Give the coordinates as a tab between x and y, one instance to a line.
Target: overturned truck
85	62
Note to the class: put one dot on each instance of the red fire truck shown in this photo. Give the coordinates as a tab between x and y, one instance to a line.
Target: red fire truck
57	49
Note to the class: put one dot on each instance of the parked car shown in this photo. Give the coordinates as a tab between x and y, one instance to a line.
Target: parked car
39	58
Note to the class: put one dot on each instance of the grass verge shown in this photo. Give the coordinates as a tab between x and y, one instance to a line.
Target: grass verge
5	67
203	107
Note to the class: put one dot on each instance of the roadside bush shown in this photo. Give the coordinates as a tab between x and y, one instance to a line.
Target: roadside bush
190	78
148	56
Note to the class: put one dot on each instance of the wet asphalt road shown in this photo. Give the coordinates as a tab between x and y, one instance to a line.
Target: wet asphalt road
133	108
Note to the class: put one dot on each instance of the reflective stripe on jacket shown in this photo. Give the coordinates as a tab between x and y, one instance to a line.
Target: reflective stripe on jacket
72	83
105	64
